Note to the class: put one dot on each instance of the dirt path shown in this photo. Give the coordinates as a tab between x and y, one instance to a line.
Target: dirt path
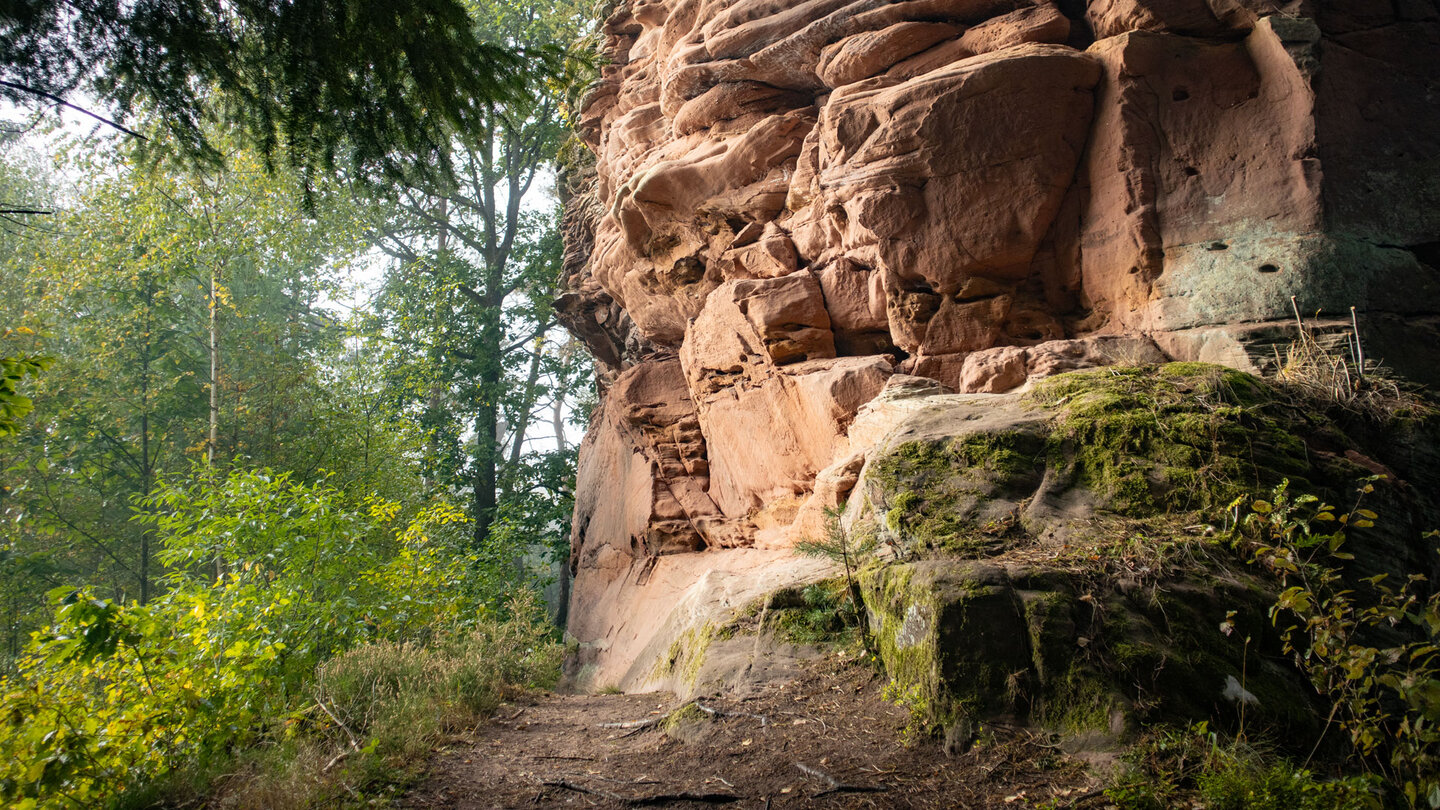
554	751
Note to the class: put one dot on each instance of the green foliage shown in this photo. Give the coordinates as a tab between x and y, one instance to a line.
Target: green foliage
1371	648
1171	767
189	309
819	613
372	84
270	578
13	405
471	349
119	295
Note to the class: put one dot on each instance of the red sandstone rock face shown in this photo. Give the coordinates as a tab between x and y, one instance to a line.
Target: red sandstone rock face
795	200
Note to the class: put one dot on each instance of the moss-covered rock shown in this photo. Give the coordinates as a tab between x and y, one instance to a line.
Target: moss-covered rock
1049	559
973	474
686	655
952	636
1172	437
966	640
957	484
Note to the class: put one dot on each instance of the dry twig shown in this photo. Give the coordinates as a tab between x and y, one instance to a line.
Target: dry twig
764	721
836	786
646	801
354	744
646	723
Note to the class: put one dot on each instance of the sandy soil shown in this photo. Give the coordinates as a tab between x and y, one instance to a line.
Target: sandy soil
824	738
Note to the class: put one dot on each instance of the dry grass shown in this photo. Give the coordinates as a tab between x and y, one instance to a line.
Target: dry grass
402	697
1337	374
377	713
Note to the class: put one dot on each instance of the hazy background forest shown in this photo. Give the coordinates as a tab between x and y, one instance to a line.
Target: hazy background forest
286	424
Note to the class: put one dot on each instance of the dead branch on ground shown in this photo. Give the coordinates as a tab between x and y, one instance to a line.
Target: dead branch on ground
646	801
836	786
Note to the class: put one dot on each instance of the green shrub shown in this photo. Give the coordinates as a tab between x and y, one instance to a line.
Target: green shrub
268	580
1372	651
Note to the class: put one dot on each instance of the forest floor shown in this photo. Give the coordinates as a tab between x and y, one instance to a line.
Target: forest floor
824	739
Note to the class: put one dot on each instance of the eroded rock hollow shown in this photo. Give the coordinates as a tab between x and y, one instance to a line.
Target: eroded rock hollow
794	202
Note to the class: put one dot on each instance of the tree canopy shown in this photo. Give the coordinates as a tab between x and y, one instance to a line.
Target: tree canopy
318	83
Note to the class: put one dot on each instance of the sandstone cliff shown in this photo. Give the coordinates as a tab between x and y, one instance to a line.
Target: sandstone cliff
795	201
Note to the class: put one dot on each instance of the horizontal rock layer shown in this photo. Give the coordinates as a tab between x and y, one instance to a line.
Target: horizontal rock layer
794	201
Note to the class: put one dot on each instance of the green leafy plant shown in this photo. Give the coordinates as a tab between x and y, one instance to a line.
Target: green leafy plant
270	579
1371	648
818	613
13	405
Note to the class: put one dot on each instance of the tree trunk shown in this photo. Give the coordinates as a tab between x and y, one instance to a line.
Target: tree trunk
213	440
557	419
562	611
486	424
527	402
484	478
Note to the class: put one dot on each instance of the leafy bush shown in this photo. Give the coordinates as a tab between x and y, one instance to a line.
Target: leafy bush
268	580
13	405
1373	651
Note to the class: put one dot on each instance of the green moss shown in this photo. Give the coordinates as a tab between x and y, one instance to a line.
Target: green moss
1082	700
1137	657
686	654
1008	453
689	714
952	640
1049	618
1190	435
1148	440
1090	634
937	489
907	650
818	613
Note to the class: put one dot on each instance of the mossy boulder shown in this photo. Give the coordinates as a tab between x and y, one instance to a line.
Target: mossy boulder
951	634
971	474
1051	557
1173	437
971	640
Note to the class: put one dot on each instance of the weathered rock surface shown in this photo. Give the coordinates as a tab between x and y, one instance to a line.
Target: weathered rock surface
796	201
